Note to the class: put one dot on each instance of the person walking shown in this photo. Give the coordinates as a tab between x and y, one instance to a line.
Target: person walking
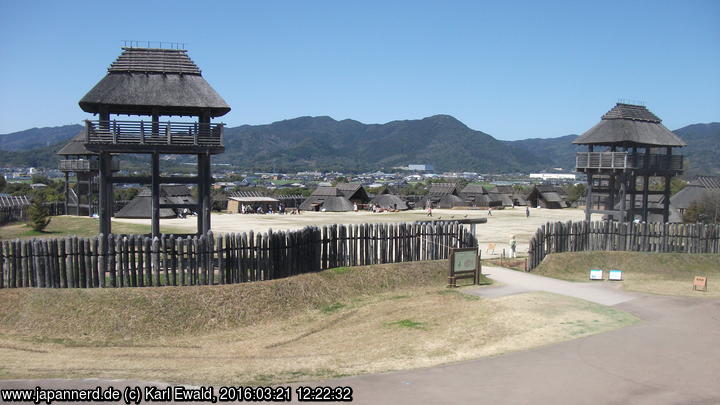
513	246
429	209
489	212
527	212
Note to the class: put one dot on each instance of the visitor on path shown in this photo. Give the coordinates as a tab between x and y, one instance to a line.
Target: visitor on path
489	212
429	209
527	212
355	207
513	245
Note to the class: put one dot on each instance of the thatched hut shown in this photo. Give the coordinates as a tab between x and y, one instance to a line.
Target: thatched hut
442	195
388	201
547	196
477	196
329	199
141	205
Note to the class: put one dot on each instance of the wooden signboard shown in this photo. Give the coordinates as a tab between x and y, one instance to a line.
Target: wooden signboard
491	248
464	263
700	283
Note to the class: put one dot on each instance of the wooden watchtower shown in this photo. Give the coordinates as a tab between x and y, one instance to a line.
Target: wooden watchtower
150	83
634	147
84	164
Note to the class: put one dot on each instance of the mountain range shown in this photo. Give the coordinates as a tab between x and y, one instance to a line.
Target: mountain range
322	143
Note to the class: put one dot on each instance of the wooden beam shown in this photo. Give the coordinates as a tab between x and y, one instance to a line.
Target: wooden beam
155	203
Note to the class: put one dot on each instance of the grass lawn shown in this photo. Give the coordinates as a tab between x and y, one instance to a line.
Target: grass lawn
333	323
66	225
656	273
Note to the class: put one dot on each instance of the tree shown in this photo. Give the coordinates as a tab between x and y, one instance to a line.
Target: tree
574	192
39	214
706	210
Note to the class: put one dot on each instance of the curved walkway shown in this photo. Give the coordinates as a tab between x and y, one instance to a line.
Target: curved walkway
671	357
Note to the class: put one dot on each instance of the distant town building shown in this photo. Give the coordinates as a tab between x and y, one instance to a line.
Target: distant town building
420	168
553	176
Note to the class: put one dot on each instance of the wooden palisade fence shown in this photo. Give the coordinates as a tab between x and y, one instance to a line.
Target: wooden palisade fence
571	236
138	261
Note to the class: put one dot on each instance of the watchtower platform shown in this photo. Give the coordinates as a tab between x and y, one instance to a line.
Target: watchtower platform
152	83
636	147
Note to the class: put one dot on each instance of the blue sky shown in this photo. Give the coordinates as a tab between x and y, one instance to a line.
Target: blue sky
512	69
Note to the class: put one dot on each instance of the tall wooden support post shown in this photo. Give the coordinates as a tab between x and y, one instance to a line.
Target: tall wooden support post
666	190
155	204
89	195
589	197
204	201
207	199
77	194
610	204
105	193
200	193
646	185
633	184
67	191
623	198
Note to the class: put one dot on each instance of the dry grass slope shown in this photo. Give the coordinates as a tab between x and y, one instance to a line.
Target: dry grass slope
337	322
656	273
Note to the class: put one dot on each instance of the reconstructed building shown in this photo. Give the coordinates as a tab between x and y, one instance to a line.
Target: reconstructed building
547	196
141	205
625	149
326	198
477	196
354	192
388	201
84	164
150	83
442	195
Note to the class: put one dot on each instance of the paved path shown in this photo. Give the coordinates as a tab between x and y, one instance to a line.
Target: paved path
671	357
514	282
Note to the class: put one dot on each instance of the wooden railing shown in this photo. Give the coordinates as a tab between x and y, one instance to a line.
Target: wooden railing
601	160
625	160
138	260
85	165
154	133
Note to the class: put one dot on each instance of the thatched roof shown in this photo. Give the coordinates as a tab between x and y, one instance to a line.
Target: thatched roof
629	124
389	201
141	205
709	182
442	189
76	146
143	79
688	195
353	191
327	191
472	189
328	203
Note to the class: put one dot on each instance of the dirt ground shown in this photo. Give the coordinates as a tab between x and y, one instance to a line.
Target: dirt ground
501	226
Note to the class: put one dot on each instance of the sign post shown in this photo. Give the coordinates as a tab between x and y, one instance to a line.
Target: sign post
464	263
700	284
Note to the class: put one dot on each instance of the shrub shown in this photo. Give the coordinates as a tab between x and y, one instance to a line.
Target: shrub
39	215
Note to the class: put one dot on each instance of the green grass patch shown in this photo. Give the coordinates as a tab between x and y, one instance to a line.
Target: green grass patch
341	270
408	323
332	307
80	226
